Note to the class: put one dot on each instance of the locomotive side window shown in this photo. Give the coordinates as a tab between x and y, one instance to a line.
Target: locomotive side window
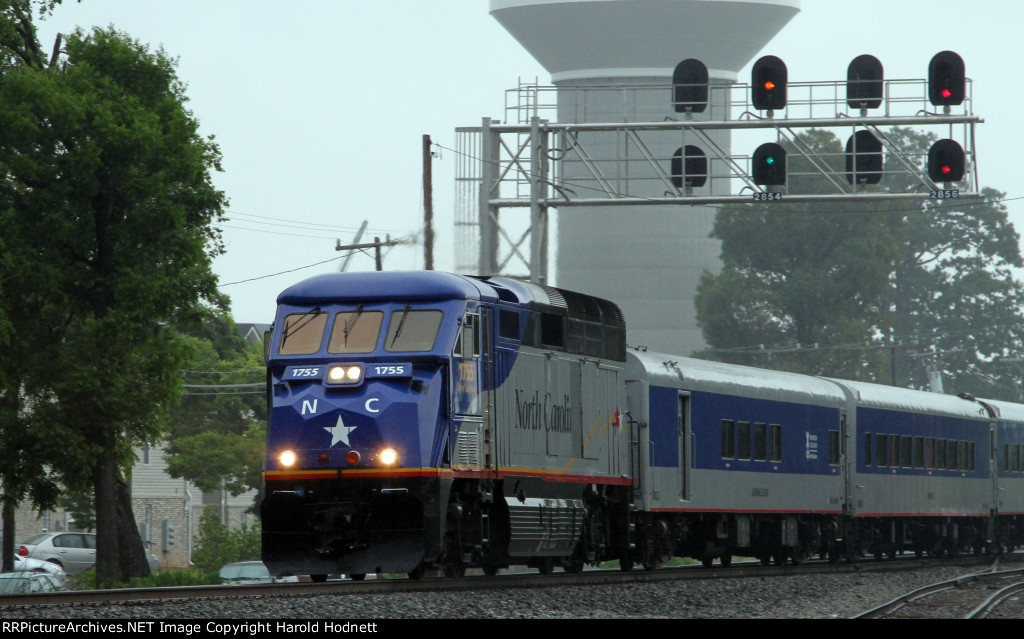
867	449
355	332
940	454
776	432
743	440
508	324
410	330
302	333
552	330
919	452
466	345
728	439
760	441
894	451
929	452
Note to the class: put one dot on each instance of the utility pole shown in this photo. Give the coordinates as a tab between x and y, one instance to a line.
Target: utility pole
428	206
376	245
355	240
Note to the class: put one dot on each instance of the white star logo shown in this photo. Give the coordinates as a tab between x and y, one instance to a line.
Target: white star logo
339	432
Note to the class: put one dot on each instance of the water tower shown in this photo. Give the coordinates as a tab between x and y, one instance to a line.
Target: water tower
601	54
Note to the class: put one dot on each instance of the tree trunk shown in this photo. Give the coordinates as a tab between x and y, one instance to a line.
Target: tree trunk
108	569
7	544
133	562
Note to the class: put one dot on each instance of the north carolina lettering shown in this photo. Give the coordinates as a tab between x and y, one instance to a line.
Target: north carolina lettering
534	414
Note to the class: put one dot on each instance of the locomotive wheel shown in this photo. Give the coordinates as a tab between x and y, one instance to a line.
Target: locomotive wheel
707	561
489	569
417	572
455	570
574	566
626	564
318	577
545	565
359	576
726	559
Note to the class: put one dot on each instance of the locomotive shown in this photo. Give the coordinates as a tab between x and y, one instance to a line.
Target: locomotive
421	420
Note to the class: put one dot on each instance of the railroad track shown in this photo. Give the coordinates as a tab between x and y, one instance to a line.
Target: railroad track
739	570
992	593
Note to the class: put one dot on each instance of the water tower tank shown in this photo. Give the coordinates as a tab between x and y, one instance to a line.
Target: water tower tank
649	258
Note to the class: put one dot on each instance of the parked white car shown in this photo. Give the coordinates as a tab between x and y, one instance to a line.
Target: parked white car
75	552
26	582
250	572
28	564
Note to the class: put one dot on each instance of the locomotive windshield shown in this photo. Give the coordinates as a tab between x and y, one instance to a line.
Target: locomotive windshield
358	331
355	332
303	333
410	330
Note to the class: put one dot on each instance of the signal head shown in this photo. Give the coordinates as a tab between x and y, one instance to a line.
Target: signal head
946	161
947	82
769	79
769	165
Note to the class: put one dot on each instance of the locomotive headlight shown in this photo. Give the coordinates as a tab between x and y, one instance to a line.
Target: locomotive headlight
287	458
388	457
345	374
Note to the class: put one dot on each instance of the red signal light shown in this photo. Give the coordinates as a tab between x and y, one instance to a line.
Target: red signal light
946	169
946	93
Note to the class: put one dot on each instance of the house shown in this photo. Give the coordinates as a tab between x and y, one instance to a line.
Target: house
167	511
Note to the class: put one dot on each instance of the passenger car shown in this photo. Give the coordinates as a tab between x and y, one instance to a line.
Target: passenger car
25	582
75	552
250	572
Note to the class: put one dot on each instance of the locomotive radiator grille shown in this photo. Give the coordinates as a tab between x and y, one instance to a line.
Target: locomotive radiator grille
468	447
545	526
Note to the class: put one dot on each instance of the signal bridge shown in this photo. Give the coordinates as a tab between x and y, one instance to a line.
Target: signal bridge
672	144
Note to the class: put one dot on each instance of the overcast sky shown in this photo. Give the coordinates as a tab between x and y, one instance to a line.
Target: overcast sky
320	106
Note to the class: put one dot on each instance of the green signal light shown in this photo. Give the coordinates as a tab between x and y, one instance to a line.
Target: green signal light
769	160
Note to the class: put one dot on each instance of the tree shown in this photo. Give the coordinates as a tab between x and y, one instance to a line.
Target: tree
865	290
218	427
797	277
217	545
107	181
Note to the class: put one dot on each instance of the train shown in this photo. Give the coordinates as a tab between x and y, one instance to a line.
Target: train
423	421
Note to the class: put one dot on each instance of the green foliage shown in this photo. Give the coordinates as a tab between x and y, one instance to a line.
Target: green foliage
172	578
217	545
108	209
218	426
161	579
79	505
